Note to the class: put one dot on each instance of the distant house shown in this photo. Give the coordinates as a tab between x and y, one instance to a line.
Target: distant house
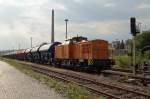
118	48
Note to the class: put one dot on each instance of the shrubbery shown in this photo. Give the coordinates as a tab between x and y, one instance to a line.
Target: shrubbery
123	62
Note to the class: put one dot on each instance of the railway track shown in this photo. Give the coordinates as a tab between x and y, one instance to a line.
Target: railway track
122	70
129	70
126	73
99	88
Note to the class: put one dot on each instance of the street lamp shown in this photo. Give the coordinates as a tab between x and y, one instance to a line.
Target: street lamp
66	20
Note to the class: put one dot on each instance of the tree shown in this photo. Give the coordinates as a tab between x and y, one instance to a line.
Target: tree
143	40
143	46
146	48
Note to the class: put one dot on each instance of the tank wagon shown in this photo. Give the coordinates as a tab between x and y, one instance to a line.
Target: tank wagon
28	56
46	52
77	52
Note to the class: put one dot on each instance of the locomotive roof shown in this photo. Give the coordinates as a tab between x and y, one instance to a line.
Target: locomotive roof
69	42
66	42
82	41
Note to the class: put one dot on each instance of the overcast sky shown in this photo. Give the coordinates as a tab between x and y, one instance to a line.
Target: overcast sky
95	19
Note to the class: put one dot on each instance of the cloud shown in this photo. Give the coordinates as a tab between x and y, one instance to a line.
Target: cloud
108	30
103	19
144	6
110	5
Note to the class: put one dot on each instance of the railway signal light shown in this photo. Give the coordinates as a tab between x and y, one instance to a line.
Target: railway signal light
135	29
133	26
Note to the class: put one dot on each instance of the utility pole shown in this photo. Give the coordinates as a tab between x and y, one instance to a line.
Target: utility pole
31	41
66	20
52	27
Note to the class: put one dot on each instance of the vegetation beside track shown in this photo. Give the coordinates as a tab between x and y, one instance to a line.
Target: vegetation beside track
142	42
123	62
68	90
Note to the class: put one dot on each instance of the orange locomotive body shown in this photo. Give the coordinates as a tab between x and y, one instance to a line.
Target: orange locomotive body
95	49
92	54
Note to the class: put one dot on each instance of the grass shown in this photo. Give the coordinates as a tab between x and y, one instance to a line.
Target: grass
68	90
123	62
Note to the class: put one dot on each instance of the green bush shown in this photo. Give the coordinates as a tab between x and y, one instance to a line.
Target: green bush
123	62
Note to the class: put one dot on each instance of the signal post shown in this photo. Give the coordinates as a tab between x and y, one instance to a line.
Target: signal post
134	32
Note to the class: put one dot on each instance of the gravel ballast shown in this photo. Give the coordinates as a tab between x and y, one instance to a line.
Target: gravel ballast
16	85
